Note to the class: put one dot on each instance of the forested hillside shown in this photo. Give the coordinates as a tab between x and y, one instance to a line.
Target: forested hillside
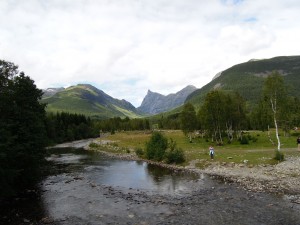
247	79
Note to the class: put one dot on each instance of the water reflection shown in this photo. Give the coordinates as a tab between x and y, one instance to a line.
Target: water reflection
102	170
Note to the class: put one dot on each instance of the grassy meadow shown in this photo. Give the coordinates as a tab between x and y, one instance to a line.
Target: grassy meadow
259	149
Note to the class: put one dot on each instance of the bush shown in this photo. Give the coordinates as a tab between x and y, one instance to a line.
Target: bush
139	152
175	156
244	140
93	145
156	147
254	139
279	156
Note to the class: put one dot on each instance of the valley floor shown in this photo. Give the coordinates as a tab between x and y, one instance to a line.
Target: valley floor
281	178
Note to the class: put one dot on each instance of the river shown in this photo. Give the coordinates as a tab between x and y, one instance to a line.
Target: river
90	188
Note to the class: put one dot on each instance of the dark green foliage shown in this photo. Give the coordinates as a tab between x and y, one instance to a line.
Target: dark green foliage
156	147
248	79
174	154
275	93
260	116
125	124
296	134
139	152
22	131
279	156
222	113
244	140
188	118
63	127
171	121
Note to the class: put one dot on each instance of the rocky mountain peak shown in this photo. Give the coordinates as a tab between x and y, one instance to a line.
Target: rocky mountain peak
155	103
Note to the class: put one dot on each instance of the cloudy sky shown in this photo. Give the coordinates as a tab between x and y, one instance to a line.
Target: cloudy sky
125	47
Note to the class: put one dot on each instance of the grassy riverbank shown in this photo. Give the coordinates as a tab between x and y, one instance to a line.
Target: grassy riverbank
259	149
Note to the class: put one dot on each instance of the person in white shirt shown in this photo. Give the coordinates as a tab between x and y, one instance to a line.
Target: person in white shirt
211	152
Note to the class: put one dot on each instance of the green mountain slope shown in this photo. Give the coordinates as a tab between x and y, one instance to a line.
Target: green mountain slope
248	79
88	100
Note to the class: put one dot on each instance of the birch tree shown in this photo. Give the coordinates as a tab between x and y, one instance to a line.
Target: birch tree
275	94
188	120
213	115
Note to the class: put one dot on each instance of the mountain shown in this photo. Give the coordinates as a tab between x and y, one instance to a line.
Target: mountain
155	103
248	79
51	91
88	100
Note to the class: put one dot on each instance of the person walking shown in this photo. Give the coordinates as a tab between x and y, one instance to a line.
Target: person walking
211	152
298	142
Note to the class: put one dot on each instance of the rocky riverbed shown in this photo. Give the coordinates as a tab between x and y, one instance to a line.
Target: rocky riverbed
216	203
237	194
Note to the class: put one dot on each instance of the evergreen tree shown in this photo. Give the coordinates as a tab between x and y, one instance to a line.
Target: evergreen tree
157	146
22	131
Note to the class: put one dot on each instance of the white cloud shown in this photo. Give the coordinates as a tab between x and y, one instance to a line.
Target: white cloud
126	47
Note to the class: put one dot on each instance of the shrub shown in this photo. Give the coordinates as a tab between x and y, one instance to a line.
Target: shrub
139	152
156	147
254	139
296	134
279	156
93	145
244	140
175	156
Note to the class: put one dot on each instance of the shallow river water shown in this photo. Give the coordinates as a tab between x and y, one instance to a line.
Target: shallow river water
90	188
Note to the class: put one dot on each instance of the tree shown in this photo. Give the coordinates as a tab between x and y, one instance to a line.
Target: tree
260	116
213	114
234	112
222	113
188	120
174	154
275	94
22	131
157	146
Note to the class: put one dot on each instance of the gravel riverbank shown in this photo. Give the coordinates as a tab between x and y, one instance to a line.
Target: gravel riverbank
77	198
282	178
239	195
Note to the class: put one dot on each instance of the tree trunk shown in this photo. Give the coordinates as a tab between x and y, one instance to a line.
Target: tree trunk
277	134
273	104
269	135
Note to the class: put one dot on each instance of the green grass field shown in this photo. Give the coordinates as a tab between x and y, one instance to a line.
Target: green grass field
259	150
